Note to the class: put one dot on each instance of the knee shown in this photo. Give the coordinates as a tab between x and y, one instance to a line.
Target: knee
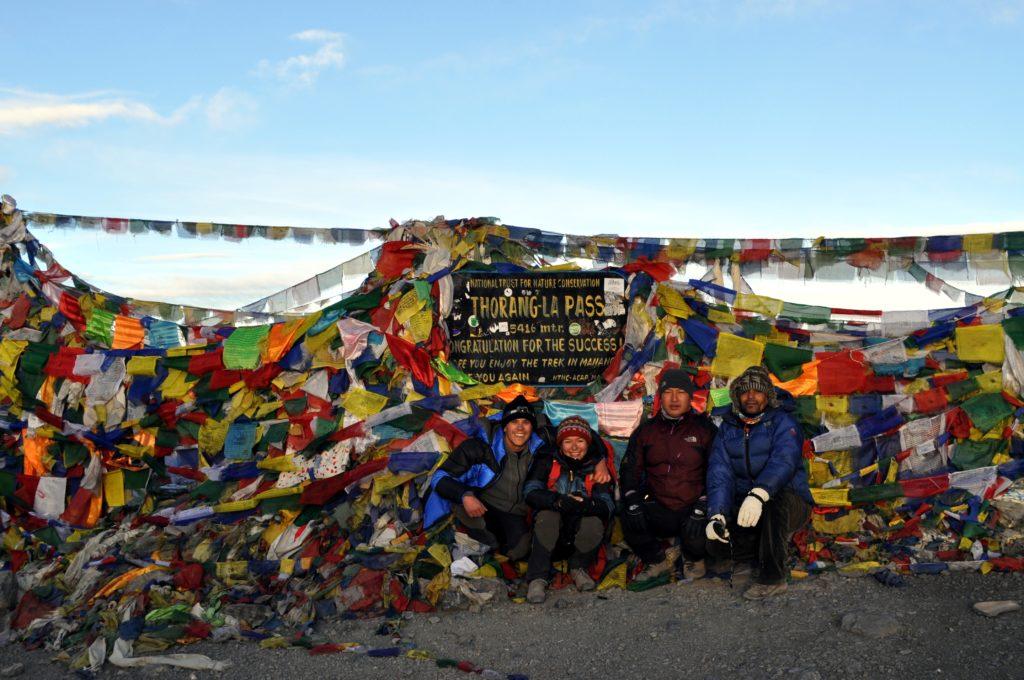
590	533
547	518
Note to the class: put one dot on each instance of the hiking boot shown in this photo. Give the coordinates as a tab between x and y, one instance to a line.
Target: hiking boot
582	580
652	571
537	592
694	570
761	591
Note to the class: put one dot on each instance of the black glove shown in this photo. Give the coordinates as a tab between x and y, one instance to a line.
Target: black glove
633	519
569	505
696	521
588	506
542	499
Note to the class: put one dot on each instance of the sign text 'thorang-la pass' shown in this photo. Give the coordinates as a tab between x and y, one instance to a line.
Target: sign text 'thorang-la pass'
555	328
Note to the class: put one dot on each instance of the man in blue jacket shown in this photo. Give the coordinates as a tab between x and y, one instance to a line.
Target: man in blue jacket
482	482
757	485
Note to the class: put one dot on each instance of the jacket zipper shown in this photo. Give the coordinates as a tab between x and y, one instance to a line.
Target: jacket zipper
746	452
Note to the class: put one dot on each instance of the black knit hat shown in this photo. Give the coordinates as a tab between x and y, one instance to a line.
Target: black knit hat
518	408
676	378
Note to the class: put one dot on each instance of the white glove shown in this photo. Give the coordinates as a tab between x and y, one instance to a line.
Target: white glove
712	534
750	511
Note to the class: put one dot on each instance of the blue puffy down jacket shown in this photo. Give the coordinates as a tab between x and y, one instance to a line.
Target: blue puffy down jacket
767	454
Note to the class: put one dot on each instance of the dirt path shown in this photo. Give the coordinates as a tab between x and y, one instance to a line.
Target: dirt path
699	630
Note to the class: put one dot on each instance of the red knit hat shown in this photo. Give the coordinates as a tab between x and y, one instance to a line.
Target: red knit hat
573	426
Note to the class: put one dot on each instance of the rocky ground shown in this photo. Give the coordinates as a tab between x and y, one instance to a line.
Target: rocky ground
825	627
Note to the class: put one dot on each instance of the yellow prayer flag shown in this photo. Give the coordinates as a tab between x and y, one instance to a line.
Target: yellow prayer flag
977	243
719	316
832	405
439	552
408	304
176	385
673	302
420	325
236	506
839	498
980	343
277	464
113	488
991	381
481	391
735	355
362	403
142	366
765	306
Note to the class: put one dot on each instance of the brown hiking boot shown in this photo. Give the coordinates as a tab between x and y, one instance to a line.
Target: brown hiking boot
582	580
537	592
694	570
761	591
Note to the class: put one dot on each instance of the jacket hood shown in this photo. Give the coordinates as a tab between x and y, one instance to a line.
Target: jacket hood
786	404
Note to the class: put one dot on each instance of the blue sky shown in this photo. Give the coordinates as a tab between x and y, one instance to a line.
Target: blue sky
746	118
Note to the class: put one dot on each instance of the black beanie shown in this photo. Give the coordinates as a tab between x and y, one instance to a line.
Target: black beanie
518	408
677	378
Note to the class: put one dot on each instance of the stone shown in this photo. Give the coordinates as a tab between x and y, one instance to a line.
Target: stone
870	624
14	669
993	608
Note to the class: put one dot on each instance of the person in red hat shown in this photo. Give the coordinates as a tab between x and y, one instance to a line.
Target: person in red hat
662	477
572	509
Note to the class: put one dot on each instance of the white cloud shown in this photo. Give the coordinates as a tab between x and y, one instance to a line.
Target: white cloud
752	9
23	109
231	109
178	257
1005	12
302	70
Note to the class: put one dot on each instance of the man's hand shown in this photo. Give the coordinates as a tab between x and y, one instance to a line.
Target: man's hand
601	474
473	506
750	510
633	519
696	521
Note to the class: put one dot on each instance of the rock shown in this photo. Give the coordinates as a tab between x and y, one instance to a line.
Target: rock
434	619
14	669
869	624
562	603
996	607
253	615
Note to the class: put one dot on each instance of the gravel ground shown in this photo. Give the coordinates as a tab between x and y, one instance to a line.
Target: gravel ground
699	630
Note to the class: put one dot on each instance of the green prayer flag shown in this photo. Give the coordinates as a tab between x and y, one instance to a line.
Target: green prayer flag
8	482
100	326
806	313
962	389
986	410
135	480
1014	327
243	347
878	492
784	361
969	454
452	373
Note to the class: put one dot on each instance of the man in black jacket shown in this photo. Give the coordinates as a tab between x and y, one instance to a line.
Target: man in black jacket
662	477
482	482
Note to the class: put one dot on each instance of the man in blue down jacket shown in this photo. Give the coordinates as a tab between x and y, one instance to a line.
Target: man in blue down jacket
757	485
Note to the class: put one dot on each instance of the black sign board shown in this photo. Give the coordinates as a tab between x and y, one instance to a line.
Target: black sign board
539	328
